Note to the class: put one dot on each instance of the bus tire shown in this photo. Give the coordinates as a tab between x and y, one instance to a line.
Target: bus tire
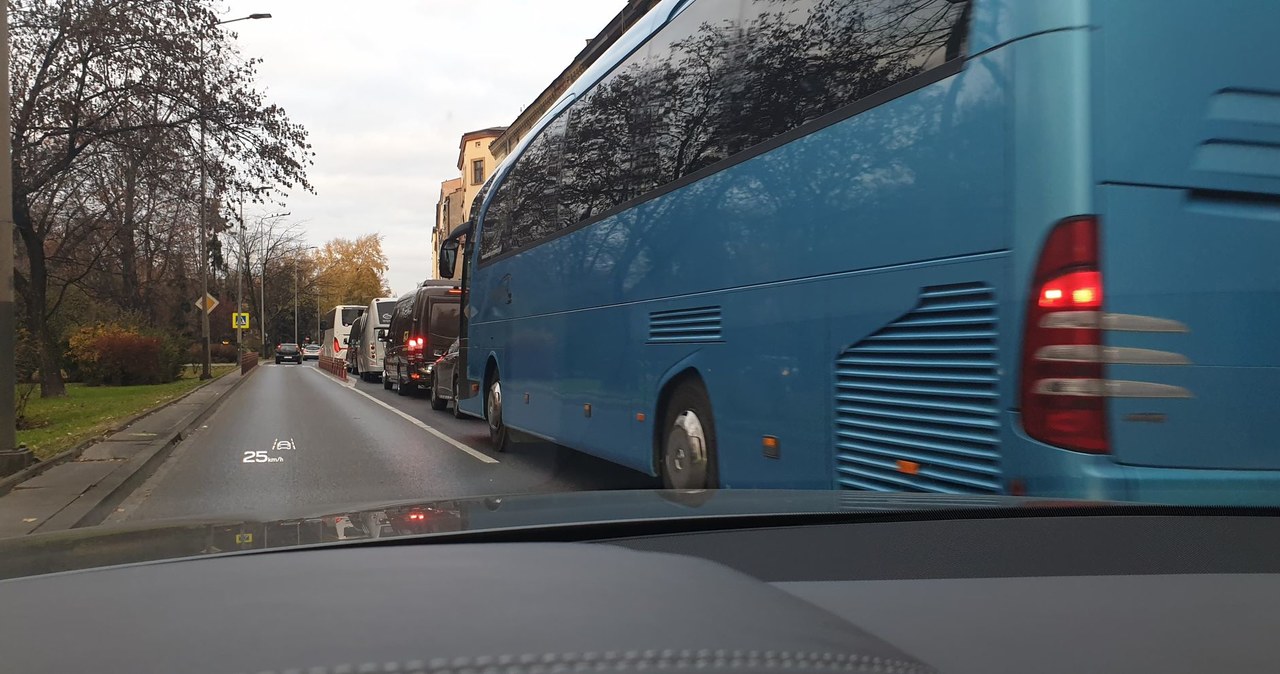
499	435
687	449
437	403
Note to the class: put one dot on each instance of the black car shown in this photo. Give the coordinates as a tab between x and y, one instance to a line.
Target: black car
288	352
425	322
444	381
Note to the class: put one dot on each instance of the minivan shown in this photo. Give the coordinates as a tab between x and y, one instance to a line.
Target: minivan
426	321
367	361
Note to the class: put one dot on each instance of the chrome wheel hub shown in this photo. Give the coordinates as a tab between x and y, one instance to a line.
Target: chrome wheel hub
686	455
494	406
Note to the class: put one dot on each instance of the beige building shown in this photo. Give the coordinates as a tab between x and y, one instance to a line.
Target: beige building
476	162
480	152
449	212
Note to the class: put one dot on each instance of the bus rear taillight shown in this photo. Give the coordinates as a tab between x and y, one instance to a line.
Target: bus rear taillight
1063	390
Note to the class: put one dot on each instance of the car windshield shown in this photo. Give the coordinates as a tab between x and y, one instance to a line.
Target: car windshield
927	252
350	314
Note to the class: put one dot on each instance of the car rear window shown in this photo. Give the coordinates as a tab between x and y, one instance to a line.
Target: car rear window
288	348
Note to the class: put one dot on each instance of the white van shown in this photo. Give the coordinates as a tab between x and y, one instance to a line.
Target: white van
376	320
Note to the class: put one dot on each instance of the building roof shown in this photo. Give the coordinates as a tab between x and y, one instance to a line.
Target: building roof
450	185
479	134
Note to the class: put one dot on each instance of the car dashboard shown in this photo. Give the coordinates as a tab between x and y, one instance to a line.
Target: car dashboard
962	593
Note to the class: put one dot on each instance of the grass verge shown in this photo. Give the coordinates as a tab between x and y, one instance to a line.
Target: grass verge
87	411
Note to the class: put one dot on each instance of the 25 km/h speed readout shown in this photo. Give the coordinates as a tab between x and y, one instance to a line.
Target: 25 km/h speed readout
269	455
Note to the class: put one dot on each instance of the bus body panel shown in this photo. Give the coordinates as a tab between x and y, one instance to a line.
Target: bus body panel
786	281
775	233
1208	70
1190	225
998	22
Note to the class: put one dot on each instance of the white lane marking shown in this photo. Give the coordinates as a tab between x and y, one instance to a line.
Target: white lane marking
409	418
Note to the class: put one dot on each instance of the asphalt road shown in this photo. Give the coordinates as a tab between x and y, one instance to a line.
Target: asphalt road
293	439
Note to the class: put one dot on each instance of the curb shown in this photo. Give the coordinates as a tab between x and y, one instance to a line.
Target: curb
100	500
12	481
96	504
8	483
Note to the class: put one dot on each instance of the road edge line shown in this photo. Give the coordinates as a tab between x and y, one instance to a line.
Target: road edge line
473	453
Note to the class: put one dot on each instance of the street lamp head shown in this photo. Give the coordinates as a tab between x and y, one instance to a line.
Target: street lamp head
259	16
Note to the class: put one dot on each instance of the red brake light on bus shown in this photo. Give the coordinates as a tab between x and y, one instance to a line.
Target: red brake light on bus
1077	290
1063	386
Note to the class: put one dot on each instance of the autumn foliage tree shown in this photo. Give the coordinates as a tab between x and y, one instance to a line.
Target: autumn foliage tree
351	271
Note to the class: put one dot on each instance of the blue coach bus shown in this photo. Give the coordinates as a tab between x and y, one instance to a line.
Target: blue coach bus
996	246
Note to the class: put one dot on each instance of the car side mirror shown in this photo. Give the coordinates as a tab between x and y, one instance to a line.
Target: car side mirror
448	258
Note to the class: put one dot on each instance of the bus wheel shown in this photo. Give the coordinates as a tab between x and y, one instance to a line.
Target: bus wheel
457	408
386	381
688	450
499	437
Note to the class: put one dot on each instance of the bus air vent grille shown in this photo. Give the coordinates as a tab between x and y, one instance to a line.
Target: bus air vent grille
917	403
700	324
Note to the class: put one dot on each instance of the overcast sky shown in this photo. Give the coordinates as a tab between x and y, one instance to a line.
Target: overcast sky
386	88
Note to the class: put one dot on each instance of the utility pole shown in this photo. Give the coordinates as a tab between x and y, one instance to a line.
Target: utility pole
240	279
262	299
12	457
295	300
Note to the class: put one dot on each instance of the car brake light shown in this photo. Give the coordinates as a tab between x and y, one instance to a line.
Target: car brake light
1062	388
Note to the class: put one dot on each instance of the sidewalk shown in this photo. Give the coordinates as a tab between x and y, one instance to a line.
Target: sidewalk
83	492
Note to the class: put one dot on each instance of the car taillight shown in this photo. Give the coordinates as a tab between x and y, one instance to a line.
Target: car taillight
1062	388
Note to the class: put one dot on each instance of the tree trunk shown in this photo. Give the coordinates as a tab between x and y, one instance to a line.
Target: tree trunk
37	299
128	240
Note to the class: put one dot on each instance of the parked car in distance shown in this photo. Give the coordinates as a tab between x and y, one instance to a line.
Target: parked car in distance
425	322
311	352
444	381
288	352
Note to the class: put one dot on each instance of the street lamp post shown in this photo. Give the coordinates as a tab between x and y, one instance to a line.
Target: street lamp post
295	300
206	367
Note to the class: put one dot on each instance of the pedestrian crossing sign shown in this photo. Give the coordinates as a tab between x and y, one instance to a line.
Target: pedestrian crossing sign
240	321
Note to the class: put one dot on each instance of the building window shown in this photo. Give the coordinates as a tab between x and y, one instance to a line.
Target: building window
477	171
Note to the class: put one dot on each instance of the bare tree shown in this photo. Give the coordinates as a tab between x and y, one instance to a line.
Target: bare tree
117	88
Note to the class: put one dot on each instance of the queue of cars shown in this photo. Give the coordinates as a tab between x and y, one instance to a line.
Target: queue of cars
409	342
